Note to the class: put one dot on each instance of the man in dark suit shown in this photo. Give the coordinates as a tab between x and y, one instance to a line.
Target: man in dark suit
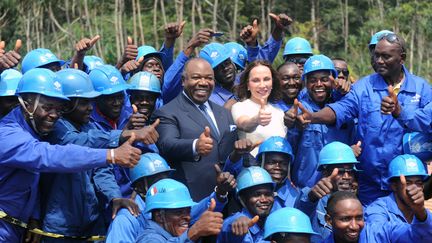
195	133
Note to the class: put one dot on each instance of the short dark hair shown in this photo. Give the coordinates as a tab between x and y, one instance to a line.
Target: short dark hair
242	90
338	59
336	197
286	64
188	63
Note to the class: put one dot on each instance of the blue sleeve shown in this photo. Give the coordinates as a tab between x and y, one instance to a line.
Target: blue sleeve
198	209
253	52
233	167
105	183
346	109
420	121
123	229
400	232
94	138
167	60
270	50
25	152
157	238
304	204
376	213
172	85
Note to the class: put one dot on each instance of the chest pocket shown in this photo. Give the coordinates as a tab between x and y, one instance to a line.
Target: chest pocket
312	136
371	114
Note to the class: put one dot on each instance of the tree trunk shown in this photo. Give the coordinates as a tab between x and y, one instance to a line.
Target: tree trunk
134	21
263	26
155	33
141	29
314	25
162	5
193	17
234	21
180	19
200	15
214	22
117	30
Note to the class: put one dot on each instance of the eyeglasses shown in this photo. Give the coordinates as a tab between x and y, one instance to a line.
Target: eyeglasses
392	38
345	72
297	60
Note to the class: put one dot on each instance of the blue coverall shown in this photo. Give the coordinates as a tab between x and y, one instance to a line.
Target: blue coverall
22	157
267	52
380	134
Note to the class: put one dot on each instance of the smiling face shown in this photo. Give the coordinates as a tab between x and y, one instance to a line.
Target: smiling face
175	221
83	109
111	105
198	80
225	73
347	220
48	111
144	100
260	83
345	180
319	86
276	164
290	81
258	200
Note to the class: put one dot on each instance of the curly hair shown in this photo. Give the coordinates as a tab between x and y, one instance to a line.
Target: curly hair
242	89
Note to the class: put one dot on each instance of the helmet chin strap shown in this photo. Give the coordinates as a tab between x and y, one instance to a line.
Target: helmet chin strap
31	113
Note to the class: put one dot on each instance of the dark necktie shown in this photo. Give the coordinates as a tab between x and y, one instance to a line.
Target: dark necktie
203	108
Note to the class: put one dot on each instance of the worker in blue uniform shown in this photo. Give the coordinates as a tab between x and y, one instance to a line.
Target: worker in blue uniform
65	195
378	129
288	225
406	203
150	169
9	80
255	190
337	165
345	215
317	72
169	203
41	58
23	155
224	69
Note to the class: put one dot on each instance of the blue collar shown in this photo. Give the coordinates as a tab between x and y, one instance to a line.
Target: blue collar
223	93
255	229
285	190
408	85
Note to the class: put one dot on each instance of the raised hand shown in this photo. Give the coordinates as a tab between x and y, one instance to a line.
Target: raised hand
210	223
126	155
356	148
343	86
242	147
241	225
130	53
129	204
86	44
305	118
413	196
282	21
323	187
172	32
131	66
249	33
11	58
290	116
201	38
390	104
264	117
225	182
204	144
136	120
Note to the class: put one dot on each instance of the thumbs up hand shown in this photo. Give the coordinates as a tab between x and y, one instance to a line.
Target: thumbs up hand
225	182
11	58
126	155
282	21
85	44
210	223
323	187
357	149
413	196
204	144
305	118
290	116
249	33
264	117
241	226
390	104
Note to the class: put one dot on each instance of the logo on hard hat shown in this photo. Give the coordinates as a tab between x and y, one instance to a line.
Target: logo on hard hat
144	80
157	163
46	57
257	177
57	86
278	144
415	148
316	63
411	165
241	57
114	80
214	54
153	191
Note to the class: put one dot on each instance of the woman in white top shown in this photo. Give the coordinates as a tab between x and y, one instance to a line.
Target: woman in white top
256	118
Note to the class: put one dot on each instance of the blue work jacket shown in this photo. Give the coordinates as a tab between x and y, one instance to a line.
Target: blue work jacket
267	52
153	232
220	95
22	157
380	134
310	141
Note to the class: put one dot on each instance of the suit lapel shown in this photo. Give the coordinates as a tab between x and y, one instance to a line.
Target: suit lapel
220	119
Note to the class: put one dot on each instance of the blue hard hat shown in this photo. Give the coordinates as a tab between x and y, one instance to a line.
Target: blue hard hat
107	80
287	220
144	51
377	35
318	63
145	81
238	54
90	62
275	144
9	82
336	153
41	81
168	194
39	57
418	144
407	165
297	46
76	83
214	53
148	165
253	176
